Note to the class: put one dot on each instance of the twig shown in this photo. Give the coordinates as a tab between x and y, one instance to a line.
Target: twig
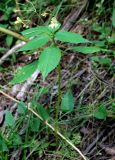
10	52
103	140
101	79
47	124
54	90
73	16
14	34
93	143
27	85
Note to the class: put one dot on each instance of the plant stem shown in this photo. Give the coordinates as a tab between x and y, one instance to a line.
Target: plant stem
59	90
14	34
58	102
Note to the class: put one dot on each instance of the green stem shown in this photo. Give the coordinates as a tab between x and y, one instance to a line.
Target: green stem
59	98
58	101
59	90
14	34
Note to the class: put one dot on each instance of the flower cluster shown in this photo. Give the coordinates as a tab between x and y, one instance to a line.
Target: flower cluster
54	23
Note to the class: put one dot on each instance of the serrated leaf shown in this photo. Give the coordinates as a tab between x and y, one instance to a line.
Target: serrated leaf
21	108
67	104
49	59
86	50
35	31
35	43
9	119
23	73
70	37
101	113
42	112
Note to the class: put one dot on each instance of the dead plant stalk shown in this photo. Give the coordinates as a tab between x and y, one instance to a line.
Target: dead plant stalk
47	124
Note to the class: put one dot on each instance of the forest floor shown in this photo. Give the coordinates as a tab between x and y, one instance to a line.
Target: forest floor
91	78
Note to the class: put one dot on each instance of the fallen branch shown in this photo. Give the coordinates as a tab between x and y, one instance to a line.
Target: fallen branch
47	124
27	85
11	51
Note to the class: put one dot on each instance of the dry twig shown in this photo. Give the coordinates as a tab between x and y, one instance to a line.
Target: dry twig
47	124
11	51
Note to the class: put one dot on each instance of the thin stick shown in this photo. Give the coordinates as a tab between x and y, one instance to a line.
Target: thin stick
11	51
14	34
49	125
27	85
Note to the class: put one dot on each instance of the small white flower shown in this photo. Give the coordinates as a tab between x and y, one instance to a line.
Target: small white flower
18	20
44	14
54	23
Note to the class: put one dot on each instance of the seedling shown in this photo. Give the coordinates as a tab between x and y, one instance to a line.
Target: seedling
47	39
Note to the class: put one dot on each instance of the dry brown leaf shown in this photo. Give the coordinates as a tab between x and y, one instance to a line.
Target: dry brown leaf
110	151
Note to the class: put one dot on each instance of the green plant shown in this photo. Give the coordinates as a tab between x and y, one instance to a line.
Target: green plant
47	39
50	56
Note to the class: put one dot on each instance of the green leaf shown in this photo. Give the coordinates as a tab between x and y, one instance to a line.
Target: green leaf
67	104
43	90
9	119
42	112
35	31
86	50
2	49
113	17
4	25
23	73
35	124
49	59
9	40
101	113
113	106
111	39
99	43
16	139
70	37
22	108
35	43
103	61
3	146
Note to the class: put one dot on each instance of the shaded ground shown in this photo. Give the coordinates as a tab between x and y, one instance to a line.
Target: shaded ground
92	84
